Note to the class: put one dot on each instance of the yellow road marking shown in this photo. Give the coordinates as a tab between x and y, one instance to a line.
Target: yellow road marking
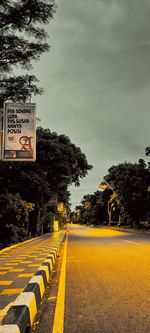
11	291
2	273
25	262
5	283
2	258
4	268
14	264
40	258
17	270
22	256
34	265
25	275
31	256
58	325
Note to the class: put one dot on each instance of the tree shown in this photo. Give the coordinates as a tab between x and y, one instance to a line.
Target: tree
93	209
113	202
130	182
30	181
62	160
113	206
59	164
14	218
16	88
22	40
147	151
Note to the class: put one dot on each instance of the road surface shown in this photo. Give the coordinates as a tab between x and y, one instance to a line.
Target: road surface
104	284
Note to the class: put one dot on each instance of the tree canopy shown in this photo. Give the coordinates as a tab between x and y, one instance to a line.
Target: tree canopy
45	182
125	197
22	41
131	181
93	209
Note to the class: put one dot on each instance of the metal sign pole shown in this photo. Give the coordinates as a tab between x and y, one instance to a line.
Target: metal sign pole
1	131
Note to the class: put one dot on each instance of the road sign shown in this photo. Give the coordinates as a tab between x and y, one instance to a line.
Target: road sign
19	135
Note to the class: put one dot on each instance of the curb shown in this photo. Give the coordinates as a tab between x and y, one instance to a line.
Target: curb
21	315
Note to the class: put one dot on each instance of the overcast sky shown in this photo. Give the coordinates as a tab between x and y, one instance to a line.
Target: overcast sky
97	82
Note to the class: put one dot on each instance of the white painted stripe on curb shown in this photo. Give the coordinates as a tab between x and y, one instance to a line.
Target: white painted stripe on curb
54	254
45	268
9	328
38	279
50	262
55	250
51	255
28	299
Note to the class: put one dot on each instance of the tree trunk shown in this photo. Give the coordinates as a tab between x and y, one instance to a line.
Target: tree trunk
38	222
109	213
132	224
40	219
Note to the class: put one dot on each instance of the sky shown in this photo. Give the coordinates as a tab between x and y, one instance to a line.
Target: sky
96	79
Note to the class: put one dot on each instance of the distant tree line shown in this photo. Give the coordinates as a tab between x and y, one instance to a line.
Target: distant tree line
124	198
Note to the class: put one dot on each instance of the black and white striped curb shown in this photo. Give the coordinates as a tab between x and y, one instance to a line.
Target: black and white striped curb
21	315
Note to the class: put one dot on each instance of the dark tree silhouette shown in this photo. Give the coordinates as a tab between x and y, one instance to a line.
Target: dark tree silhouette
59	164
22	40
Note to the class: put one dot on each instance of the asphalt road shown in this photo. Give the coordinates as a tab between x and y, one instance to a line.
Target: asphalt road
106	278
108	282
18	264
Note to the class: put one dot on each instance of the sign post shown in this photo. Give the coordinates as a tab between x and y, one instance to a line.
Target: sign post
19	133
1	132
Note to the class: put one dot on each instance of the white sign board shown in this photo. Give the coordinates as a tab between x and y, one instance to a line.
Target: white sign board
19	136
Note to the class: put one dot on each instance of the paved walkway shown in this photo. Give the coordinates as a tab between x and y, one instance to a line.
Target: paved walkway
19	264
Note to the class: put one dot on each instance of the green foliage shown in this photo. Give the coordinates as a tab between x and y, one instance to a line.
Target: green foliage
45	182
14	218
125	196
59	162
18	88
130	181
147	151
93	209
22	41
63	162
